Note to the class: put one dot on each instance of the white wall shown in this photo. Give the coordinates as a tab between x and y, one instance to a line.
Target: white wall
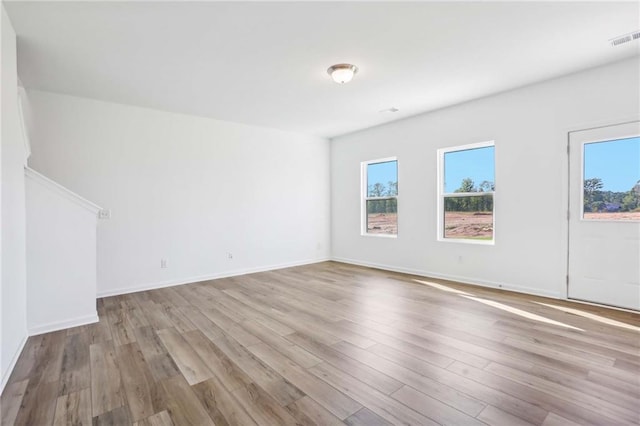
61	256
13	284
529	126
185	189
2	365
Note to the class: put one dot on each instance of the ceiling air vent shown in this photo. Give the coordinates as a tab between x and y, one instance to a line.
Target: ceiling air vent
625	38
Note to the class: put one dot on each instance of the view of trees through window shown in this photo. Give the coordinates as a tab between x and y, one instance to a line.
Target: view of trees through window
381	198
470	216
468	209
611	186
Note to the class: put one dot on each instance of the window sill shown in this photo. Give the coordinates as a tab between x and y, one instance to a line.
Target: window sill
468	241
392	236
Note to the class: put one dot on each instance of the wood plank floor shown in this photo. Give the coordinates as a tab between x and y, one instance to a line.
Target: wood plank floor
332	344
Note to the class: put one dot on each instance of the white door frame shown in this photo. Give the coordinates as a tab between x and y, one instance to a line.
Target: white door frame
566	191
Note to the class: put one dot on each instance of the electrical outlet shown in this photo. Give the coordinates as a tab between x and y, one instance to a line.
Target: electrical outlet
104	214
229	256
163	263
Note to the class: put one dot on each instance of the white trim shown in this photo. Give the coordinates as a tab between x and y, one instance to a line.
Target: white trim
577	139
380	160
192	280
460	279
23	126
61	325
469	241
466	147
385	197
467	194
566	190
61	190
600	305
12	364
588	141
441	194
369	234
608	122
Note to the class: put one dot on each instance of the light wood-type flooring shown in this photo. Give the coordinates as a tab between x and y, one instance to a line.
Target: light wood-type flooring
332	344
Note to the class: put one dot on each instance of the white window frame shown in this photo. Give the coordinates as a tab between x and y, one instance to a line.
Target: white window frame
364	191
442	195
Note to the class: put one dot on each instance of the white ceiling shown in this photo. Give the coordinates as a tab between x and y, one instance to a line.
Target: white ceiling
265	63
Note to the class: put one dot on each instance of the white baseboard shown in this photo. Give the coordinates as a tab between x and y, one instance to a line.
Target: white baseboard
456	278
60	325
191	280
12	364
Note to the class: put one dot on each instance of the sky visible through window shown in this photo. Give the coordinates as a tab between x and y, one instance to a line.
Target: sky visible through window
616	163
476	164
382	173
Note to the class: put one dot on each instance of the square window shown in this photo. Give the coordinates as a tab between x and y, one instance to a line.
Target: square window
611	180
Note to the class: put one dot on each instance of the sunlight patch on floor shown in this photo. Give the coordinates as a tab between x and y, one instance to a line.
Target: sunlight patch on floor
442	287
521	313
594	317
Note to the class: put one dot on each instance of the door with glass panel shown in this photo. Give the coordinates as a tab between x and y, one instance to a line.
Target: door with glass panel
604	215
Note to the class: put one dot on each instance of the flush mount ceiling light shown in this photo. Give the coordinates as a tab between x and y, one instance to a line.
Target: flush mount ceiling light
342	73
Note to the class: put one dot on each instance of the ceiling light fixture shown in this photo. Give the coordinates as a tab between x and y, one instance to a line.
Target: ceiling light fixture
342	73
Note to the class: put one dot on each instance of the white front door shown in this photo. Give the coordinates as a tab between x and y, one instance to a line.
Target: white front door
604	215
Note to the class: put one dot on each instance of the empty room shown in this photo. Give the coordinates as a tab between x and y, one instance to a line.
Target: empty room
320	213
